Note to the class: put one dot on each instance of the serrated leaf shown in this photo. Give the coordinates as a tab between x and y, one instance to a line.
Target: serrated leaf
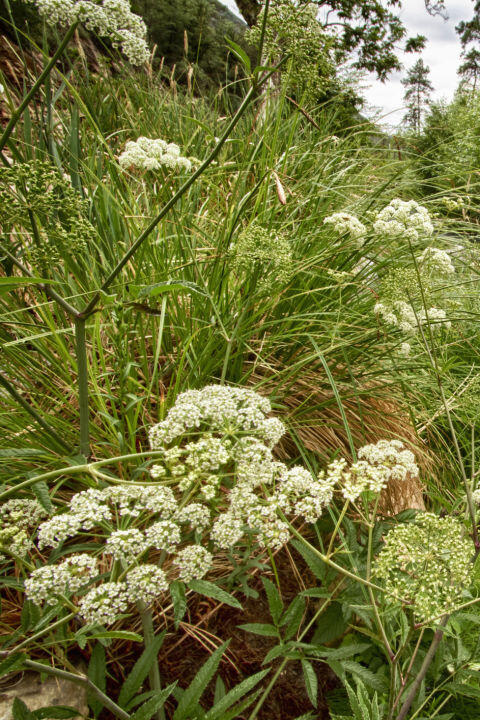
209	589
263	629
97	669
140	670
330	625
56	712
43	496
20	711
275	602
234	695
148	709
13	663
191	696
316	564
179	601
311	682
367	676
292	617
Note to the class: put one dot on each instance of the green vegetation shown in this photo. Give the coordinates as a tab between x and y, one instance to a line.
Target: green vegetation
238	370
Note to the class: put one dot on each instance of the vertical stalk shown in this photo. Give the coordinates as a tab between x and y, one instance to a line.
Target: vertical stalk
37	84
148	636
81	353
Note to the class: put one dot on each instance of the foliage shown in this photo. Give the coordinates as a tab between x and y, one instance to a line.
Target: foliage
176	312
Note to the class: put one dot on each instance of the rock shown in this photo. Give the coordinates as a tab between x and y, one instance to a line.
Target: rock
36	694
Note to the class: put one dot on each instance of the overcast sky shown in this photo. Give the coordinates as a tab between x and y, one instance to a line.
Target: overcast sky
442	55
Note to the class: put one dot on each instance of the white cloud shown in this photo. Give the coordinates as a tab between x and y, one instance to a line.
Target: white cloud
442	55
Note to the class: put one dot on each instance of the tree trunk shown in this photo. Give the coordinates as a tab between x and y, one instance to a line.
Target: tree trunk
249	10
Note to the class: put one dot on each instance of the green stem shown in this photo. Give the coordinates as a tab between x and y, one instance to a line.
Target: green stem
74	469
148	637
414	688
173	201
81	353
37	84
378	620
80	680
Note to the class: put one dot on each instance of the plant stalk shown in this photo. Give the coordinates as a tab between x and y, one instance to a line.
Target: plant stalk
37	84
427	661
81	353
80	680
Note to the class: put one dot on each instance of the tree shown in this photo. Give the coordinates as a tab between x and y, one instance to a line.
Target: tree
372	29
469	70
417	94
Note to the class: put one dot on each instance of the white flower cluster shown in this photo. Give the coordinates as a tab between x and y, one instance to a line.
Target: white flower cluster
16	517
403	219
91	508
436	260
344	223
221	431
401	314
426	563
112	19
193	562
377	464
152	154
49	582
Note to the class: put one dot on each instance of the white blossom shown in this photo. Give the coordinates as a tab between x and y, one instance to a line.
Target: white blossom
193	562
145	583
112	19
403	219
344	223
103	604
152	154
126	544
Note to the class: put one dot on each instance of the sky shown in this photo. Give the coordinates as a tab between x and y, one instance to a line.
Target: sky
442	55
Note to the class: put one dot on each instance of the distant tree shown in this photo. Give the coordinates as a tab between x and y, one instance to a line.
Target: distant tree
469	30
469	70
372	29
418	89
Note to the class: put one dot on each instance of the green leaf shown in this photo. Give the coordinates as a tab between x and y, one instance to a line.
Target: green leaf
462	689
316	564
260	629
191	696
292	617
367	676
148	709
177	592
150	291
13	282
275	602
240	54
43	496
116	635
209	589
20	711
97	669
12	663
140	670
56	712
330	625
235	694
311	682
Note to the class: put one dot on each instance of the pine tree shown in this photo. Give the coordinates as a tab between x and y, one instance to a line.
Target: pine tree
417	94
469	70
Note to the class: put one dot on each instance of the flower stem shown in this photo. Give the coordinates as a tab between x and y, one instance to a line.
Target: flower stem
82	365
